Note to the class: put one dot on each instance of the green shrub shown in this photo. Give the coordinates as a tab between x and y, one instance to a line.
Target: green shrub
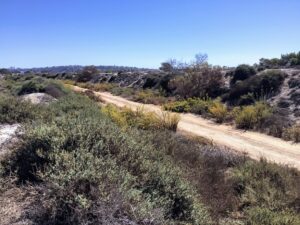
200	106
261	85
275	124
264	216
86	170
247	99
230	183
292	133
85	160
87	74
69	82
126	117
286	60
21	85
268	192
199	81
253	116
55	89
14	110
242	72
218	111
178	106
30	87
193	105
149	96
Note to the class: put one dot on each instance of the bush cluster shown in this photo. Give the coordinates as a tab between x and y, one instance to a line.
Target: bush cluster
205	107
260	86
193	105
141	119
149	96
14	110
86	161
27	84
85	169
292	133
198	82
267	192
218	111
30	87
253	116
286	60
242	72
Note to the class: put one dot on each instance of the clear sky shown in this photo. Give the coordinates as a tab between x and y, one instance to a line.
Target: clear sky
144	33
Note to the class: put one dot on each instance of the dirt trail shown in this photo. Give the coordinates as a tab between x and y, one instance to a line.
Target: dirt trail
256	145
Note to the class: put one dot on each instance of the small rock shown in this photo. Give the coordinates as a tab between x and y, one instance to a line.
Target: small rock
7	135
39	98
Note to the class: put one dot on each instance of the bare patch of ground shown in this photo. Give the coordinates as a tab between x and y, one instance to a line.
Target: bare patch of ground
289	96
7	136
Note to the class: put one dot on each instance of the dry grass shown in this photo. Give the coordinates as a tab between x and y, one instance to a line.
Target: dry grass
292	133
141	119
218	111
15	202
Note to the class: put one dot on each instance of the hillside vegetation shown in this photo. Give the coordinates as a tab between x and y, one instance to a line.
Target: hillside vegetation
248	97
80	163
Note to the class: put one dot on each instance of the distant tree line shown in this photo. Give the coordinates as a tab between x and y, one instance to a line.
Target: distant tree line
286	60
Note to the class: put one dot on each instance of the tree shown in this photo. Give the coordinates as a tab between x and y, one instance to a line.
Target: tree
199	82
166	67
242	72
201	58
172	65
87	73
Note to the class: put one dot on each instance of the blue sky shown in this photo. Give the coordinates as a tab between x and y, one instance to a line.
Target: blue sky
144	33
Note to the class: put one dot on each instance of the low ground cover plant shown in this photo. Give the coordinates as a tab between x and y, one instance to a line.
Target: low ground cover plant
193	105
14	110
27	84
140	118
57	151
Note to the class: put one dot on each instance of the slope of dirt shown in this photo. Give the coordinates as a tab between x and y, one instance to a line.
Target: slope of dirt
288	98
256	145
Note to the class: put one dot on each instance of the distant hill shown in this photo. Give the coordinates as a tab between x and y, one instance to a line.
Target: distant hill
75	68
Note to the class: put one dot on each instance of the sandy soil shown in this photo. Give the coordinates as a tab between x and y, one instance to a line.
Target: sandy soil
7	135
38	98
256	145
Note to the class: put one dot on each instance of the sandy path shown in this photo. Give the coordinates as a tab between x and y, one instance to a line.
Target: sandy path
256	145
